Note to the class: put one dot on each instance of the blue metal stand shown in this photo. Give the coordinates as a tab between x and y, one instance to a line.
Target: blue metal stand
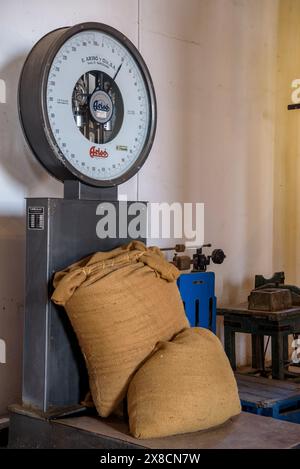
197	291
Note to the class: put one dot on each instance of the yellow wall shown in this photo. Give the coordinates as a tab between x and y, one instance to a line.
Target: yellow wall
246	165
287	145
231	145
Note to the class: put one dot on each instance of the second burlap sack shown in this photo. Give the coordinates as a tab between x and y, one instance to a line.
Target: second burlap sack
186	386
120	303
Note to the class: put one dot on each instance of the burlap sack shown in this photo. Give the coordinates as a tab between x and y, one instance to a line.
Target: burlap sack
120	303
187	385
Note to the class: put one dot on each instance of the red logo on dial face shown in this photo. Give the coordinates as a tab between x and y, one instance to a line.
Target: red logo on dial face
98	153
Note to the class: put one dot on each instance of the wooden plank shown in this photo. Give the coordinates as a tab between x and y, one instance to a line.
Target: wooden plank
267	394
255	398
268	390
247	397
275	383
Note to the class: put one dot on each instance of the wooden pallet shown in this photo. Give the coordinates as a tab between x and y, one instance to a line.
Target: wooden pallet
269	397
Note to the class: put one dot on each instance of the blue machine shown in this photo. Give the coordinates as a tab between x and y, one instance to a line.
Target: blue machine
197	290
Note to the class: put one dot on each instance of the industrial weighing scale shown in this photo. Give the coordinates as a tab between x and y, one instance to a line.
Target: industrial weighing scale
88	111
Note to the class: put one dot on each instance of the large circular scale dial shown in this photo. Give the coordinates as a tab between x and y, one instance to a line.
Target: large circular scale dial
87	105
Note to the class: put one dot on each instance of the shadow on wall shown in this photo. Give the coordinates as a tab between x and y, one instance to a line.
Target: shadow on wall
20	176
16	158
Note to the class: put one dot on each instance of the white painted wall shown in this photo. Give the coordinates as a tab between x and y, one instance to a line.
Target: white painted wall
213	65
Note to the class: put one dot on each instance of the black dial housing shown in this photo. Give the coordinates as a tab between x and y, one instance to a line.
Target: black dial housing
100	111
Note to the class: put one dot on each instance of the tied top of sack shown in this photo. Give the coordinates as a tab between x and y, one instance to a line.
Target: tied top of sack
93	268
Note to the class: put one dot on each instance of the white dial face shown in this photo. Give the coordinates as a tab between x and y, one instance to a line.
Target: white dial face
97	105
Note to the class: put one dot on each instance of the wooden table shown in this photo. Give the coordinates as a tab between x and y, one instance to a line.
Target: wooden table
276	324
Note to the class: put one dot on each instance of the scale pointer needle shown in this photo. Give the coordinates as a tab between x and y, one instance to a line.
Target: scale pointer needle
115	76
